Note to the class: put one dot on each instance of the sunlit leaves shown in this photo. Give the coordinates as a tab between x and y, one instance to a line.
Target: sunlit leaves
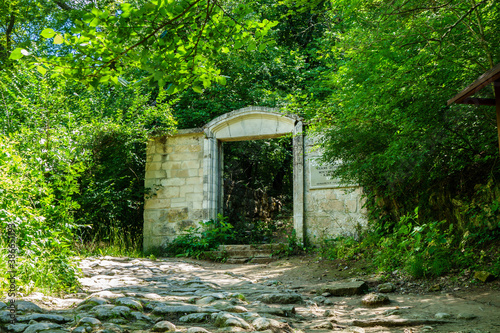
48	33
41	70
18	54
396	65
174	41
58	39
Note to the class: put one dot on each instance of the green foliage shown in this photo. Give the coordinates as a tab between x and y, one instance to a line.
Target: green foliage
80	168
375	75
114	245
482	212
112	186
258	186
40	181
174	42
419	249
262	164
40	209
197	240
395	65
293	246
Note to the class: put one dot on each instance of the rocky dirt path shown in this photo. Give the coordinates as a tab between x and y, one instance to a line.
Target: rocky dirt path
298	295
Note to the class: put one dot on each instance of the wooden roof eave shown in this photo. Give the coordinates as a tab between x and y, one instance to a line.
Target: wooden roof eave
463	97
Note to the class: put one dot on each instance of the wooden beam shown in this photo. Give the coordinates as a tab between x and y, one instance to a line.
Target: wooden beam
497	97
485	79
479	101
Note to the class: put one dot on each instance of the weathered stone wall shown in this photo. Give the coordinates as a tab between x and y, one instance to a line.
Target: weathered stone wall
184	173
331	208
174	172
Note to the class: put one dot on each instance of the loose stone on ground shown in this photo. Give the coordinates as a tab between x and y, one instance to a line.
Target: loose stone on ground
345	288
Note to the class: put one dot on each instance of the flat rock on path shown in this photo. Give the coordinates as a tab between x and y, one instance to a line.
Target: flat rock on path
345	288
167	295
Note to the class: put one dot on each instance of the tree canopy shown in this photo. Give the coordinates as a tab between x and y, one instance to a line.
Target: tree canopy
175	42
395	65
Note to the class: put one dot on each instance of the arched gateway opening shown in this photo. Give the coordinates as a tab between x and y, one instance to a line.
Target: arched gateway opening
253	123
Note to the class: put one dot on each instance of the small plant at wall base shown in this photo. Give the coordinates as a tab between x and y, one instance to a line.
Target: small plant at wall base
292	246
196	241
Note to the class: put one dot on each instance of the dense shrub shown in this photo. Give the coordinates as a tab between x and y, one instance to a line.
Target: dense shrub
39	203
422	249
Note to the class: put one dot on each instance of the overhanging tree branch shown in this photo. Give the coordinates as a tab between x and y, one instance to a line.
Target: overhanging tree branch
152	34
63	5
462	18
8	31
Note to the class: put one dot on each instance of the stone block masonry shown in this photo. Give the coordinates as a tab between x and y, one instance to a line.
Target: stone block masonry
174	173
331	207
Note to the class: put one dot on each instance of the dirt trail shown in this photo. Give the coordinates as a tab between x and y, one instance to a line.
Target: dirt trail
141	295
411	299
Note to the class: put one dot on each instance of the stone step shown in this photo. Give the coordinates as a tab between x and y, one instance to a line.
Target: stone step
262	260
247	253
240	254
254	260
262	247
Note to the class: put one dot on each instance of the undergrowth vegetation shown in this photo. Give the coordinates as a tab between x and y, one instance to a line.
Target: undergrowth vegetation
72	166
38	204
421	249
206	237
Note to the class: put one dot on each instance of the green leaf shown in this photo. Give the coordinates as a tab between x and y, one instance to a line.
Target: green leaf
170	89
126	10
150	6
197	89
16	54
48	33
58	39
104	15
87	18
251	46
94	23
41	70
221	80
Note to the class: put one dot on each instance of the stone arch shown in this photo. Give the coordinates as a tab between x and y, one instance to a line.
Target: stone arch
251	123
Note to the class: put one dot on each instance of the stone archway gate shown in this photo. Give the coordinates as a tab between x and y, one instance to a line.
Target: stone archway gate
184	173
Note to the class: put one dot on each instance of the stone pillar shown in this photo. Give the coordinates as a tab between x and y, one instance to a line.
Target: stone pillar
211	178
298	181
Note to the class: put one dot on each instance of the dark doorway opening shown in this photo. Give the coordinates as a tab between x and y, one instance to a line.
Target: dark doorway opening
258	189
